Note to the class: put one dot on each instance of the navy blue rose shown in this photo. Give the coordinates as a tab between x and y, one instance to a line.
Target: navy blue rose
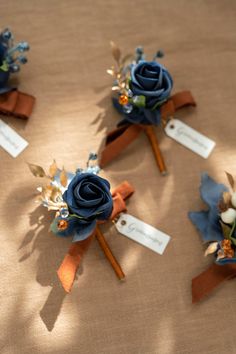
152	80
89	199
4	74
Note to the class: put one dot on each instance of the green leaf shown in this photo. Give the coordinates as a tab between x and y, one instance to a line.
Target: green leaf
139	101
233	240
226	230
4	66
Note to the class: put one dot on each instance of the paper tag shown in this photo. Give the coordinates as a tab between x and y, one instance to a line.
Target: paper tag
142	233
12	142
189	137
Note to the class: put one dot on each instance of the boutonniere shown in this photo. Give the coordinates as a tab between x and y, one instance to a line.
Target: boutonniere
81	201
12	101
143	96
217	227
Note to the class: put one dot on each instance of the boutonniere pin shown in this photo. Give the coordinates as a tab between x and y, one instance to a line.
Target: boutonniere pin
12	56
81	201
217	227
143	96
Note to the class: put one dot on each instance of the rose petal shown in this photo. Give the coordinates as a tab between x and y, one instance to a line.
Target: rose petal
81	233
146	83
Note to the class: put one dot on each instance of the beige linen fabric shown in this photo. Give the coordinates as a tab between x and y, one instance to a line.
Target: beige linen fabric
150	313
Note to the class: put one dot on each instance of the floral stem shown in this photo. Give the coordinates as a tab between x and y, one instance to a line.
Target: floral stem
108	253
149	130
232	230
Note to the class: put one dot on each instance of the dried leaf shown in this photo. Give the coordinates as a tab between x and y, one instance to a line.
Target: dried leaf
55	194
53	169
227	197
225	229
36	170
110	72
127	57
63	178
116	52
52	207
220	255
230	179
222	206
212	248
115	88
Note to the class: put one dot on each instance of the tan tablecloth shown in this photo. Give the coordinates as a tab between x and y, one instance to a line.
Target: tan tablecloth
151	312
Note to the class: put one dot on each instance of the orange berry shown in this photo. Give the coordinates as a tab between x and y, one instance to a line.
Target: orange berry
62	225
123	100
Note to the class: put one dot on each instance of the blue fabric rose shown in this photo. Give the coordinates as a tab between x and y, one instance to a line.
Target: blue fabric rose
152	80
89	199
208	222
4	77
151	85
4	74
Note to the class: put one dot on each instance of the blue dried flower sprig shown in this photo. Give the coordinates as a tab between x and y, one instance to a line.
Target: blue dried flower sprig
11	56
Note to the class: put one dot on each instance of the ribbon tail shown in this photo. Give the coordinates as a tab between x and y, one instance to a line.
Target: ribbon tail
125	189
24	105
71	262
183	99
117	141
17	104
177	101
207	281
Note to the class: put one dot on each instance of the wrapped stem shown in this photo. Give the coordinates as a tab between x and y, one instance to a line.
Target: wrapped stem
149	130
108	253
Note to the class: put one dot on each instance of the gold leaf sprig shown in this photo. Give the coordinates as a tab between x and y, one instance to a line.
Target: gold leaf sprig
53	169
118	71
36	170
51	194
63	178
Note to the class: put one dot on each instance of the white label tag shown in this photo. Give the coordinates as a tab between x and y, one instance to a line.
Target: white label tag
189	137
142	233
12	142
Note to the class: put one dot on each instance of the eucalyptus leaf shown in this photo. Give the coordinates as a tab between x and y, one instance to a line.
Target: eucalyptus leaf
226	230
233	240
139	101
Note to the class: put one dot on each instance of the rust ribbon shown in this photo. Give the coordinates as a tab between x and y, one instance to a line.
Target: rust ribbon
17	104
118	139
207	281
70	264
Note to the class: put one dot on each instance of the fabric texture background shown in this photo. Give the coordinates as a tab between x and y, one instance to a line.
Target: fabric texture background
151	312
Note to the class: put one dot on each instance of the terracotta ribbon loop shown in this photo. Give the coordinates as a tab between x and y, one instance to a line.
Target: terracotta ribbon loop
70	264
118	139
17	104
207	281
